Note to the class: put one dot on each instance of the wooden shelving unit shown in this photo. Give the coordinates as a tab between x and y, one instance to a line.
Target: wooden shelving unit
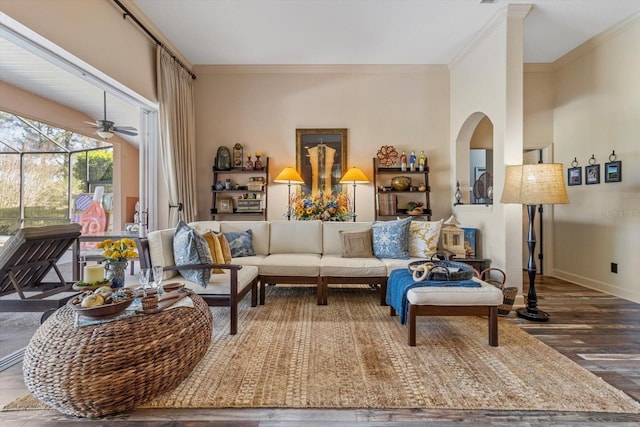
240	177
382	183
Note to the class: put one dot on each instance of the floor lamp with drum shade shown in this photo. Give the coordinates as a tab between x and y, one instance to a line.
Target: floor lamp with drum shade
532	185
354	176
289	176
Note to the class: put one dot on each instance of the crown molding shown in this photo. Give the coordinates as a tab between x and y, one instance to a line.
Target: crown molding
319	69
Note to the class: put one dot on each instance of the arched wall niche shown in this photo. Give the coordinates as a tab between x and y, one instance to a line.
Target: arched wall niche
474	155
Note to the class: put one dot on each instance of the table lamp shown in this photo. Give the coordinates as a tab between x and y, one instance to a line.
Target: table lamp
354	176
289	176
531	185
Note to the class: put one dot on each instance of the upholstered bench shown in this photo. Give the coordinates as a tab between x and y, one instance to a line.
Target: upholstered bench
454	301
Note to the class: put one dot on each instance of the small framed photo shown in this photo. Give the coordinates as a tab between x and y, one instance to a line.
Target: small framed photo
225	205
613	172
574	176
592	173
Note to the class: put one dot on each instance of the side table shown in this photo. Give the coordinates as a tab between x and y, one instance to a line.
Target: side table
102	369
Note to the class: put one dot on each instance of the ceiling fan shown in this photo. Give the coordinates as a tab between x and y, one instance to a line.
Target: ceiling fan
106	128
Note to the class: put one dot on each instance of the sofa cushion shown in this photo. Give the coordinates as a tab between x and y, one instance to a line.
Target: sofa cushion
204	226
356	244
390	238
423	238
259	232
296	237
338	266
224	245
215	248
240	243
304	265
189	247
219	284
331	243
161	250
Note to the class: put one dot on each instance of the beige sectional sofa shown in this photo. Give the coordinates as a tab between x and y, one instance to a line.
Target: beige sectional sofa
286	252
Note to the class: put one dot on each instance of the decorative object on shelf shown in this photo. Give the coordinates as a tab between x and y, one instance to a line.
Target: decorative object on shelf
453	237
470	242
613	169
458	195
289	176
238	156
249	164
223	159
400	183
257	165
219	186
403	162
422	187
256	183
225	205
228	185
387	156
574	173
532	185
117	254
354	176
592	172
412	162
414	208
319	207
422	161
481	188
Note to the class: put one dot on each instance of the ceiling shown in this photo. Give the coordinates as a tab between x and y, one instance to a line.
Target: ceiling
368	31
318	32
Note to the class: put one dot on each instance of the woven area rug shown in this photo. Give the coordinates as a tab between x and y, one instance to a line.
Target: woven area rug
292	353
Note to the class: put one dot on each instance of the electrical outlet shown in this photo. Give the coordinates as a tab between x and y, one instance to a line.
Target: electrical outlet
614	267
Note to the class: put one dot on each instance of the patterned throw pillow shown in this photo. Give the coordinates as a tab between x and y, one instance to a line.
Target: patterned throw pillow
423	238
215	248
356	244
191	248
391	238
240	243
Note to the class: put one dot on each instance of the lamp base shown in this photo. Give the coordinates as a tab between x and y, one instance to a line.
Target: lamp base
539	316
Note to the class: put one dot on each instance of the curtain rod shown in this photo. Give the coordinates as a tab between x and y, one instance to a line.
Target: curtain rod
150	34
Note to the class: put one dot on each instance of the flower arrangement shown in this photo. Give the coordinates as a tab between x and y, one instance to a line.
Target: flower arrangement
118	250
317	206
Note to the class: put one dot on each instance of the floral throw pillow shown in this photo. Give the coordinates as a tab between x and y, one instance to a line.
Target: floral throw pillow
189	247
390	238
423	238
240	243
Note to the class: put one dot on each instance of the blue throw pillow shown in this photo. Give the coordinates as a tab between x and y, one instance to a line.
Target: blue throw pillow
240	243
191	248
391	238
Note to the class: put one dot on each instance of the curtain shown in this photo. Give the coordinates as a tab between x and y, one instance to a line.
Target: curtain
177	136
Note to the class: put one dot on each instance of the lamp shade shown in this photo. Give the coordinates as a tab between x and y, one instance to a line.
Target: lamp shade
354	175
289	176
536	184
105	134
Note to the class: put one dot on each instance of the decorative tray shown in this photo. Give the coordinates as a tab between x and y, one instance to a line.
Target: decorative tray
104	310
444	270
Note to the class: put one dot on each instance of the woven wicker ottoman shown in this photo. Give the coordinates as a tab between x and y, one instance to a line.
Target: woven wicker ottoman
102	369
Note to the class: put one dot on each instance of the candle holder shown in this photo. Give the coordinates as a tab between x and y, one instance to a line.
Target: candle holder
257	165
249	164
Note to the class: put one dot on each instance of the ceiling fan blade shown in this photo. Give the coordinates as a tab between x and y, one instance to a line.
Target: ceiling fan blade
127	130
94	124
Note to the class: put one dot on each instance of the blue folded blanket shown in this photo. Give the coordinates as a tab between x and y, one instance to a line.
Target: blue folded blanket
400	281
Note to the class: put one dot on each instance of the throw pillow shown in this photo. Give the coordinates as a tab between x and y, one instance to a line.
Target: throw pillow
189	247
217	257
356	244
240	243
226	250
423	238
390	238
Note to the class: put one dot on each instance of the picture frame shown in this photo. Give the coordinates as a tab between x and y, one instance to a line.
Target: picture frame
574	176
225	205
321	160
592	174
613	171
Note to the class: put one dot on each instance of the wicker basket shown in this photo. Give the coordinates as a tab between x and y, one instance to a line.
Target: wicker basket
111	367
509	293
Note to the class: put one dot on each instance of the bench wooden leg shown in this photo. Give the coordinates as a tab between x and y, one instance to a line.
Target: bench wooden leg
392	311
412	325
493	326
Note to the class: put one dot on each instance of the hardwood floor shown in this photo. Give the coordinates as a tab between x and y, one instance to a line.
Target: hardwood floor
598	331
